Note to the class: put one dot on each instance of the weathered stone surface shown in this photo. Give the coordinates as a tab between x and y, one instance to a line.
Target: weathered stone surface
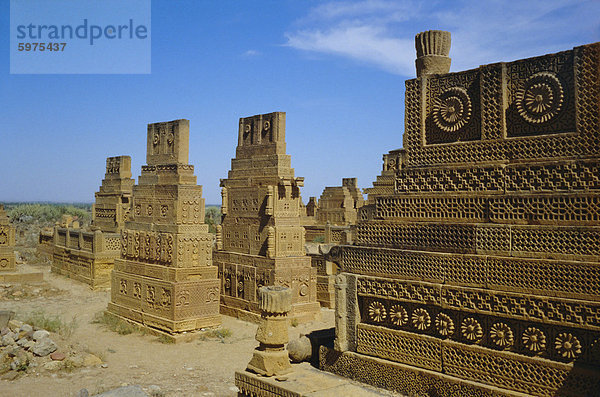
300	349
44	347
40	334
58	356
90	360
7	243
164	277
260	234
477	253
270	357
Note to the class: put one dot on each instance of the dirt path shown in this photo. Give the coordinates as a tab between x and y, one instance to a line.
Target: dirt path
197	368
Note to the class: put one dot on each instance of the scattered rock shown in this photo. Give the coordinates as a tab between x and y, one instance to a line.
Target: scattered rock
53	365
21	342
155	391
26	328
58	356
300	349
40	334
7	339
29	345
4	331
91	360
44	347
82	393
15	324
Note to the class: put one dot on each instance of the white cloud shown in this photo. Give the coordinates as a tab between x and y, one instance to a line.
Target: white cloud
381	33
251	53
364	43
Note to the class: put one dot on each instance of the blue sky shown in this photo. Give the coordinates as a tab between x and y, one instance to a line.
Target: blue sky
336	68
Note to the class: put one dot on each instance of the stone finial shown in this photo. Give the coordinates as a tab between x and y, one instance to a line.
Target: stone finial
433	48
270	357
275	300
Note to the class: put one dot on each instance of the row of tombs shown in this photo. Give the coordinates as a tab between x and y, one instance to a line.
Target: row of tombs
472	269
155	232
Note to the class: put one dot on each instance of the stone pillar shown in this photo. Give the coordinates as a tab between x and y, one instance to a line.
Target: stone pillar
341	314
433	48
270	357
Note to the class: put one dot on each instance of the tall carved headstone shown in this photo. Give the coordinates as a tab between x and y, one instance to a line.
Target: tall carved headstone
339	205
479	274
165	279
7	242
89	256
113	200
260	241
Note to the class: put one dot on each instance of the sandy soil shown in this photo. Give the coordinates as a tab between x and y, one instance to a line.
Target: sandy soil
197	368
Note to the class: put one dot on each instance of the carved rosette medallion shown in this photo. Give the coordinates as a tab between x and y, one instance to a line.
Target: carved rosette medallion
471	329
452	110
444	324
501	335
377	312
567	345
421	319
534	340
267	125
3	263
541	98
398	315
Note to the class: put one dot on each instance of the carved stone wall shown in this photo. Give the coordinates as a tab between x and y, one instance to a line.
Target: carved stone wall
260	240
338	205
88	257
7	243
164	278
477	261
113	200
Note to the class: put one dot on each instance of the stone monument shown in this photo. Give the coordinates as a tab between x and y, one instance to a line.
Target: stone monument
477	271
113	200
260	241
89	255
164	279
7	243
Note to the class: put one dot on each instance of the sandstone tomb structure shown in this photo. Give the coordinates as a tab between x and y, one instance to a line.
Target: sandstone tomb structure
7	243
260	241
477	271
164	279
89	255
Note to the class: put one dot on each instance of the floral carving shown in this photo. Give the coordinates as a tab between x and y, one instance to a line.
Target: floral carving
452	109
471	329
377	312
444	324
567	345
541	98
3	237
398	315
421	319
267	125
534	340
156	138
501	335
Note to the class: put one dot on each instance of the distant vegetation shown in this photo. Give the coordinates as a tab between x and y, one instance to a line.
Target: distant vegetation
50	213
212	217
47	213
